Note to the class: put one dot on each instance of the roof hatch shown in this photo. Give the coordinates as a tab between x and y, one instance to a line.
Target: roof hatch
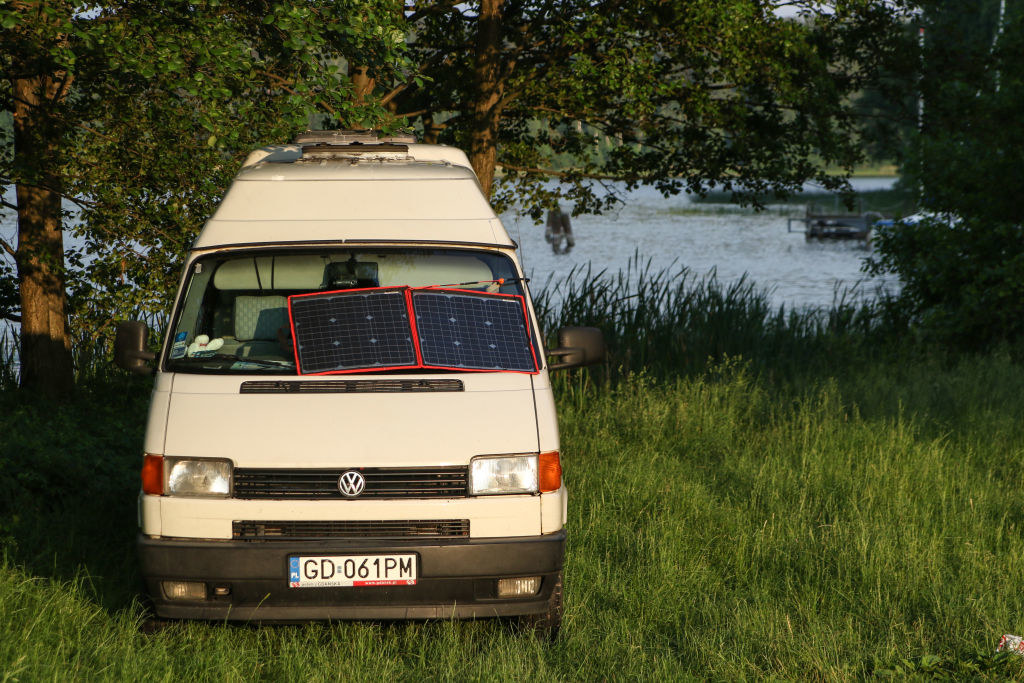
351	137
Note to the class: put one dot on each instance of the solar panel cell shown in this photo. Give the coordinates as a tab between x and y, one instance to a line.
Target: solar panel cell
342	331
472	331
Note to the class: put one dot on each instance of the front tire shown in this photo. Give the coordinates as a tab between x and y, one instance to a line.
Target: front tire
546	625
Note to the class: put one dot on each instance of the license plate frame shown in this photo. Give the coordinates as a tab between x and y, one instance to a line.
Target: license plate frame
353	571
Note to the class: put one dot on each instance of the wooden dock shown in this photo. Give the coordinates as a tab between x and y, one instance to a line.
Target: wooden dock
835	226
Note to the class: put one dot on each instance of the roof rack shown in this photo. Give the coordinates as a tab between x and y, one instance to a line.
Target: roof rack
355	150
351	137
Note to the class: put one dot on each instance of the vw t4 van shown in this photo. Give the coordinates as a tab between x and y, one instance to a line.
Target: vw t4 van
351	416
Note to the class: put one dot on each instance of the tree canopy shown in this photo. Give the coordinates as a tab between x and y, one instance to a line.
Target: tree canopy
963	269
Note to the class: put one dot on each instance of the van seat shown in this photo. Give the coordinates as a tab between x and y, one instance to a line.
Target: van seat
257	318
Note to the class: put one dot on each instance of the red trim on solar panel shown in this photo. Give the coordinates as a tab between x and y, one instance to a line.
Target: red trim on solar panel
477	292
459	368
367	370
346	291
529	333
295	341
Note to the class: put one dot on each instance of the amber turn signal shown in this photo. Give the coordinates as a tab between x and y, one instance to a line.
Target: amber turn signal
550	478
153	475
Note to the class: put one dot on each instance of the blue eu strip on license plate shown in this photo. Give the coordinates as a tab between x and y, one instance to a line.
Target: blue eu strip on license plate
320	571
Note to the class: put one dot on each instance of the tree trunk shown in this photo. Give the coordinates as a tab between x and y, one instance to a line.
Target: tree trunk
45	344
362	83
431	130
486	108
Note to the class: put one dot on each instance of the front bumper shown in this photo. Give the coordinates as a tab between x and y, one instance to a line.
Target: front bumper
457	578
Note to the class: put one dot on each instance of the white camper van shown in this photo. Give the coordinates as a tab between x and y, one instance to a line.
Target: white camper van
351	416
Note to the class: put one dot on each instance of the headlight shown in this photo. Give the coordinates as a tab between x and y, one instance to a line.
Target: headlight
494	474
192	477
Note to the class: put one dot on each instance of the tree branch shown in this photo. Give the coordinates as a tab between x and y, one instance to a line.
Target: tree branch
565	174
84	203
431	8
8	248
285	84
441	59
395	92
94	132
510	96
77	125
13	317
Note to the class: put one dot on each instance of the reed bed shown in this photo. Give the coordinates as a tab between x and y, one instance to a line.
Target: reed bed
672	321
91	347
8	357
663	322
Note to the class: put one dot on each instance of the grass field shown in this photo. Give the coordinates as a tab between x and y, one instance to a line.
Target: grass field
835	516
721	527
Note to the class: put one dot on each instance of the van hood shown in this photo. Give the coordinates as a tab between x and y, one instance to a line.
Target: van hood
212	416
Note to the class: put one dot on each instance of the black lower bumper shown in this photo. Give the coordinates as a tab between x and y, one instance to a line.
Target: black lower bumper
457	578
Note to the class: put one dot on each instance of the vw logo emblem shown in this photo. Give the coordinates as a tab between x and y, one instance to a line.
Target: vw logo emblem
351	484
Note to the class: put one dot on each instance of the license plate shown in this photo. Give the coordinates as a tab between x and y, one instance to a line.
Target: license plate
319	571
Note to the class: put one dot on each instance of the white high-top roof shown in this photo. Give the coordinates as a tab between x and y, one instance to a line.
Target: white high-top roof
402	193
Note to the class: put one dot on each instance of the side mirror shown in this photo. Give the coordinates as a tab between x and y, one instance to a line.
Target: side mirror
578	346
130	347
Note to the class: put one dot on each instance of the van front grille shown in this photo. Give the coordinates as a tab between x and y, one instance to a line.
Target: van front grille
260	530
350	386
381	482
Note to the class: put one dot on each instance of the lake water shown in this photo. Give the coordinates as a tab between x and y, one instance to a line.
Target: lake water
675	231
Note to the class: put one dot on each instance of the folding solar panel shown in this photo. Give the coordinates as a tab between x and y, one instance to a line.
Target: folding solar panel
353	330
393	328
472	331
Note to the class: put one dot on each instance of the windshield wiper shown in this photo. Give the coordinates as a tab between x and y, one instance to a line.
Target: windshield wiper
500	281
254	361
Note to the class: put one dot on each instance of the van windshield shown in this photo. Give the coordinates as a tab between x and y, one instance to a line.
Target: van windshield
233	313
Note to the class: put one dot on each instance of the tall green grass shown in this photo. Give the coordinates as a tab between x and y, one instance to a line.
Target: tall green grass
720	527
